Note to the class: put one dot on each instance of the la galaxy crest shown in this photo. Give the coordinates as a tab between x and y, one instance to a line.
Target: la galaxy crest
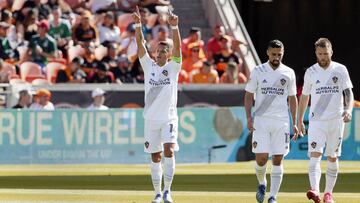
335	79
283	81
165	72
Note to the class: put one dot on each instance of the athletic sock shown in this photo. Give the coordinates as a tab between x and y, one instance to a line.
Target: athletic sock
261	173
331	175
315	173
169	171
276	179
156	174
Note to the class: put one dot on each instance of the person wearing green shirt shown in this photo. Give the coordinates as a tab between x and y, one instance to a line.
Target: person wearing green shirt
42	46
60	29
6	52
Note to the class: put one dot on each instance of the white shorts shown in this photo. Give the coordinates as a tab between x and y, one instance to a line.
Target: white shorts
271	136
326	133
159	132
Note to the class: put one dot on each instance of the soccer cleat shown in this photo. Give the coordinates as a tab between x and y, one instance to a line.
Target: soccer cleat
328	198
313	195
157	199
272	200
260	194
167	197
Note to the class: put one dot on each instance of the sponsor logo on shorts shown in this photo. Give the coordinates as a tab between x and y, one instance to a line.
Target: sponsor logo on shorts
264	81
335	79
165	72
146	144
283	81
317	81
313	145
254	144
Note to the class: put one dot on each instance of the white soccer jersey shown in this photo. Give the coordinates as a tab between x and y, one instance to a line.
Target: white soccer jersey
161	85
326	89
272	88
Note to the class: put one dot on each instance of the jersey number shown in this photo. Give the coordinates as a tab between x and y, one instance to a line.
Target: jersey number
171	127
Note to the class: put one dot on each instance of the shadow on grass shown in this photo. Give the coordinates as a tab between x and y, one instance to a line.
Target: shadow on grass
221	183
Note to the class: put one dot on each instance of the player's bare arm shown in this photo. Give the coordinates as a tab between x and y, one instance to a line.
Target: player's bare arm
348	106
173	21
293	104
303	103
138	33
248	102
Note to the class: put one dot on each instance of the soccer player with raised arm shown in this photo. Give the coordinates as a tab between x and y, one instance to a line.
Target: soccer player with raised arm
160	113
273	85
326	82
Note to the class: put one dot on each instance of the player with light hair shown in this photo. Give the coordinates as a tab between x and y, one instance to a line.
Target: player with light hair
326	82
160	112
273	84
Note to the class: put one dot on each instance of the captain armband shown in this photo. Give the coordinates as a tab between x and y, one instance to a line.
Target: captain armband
176	59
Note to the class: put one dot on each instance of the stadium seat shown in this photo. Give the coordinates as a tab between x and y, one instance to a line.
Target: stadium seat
40	81
10	69
22	52
16	81
75	51
30	71
51	70
123	21
100	52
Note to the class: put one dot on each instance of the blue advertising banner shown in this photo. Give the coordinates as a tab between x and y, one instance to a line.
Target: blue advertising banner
117	136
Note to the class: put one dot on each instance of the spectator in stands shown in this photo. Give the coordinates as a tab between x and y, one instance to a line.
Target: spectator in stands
156	6
24	100
84	32
98	96
183	77
162	36
225	56
193	61
194	36
112	57
43	8
27	25
101	74
160	23
214	44
42	100
12	36
6	51
4	75
128	44
206	74
108	31
144	12
89	57
42	46
123	72
233	75
100	6
60	30
73	73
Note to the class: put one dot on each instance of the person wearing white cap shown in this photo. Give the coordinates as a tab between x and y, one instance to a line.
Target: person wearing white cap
98	96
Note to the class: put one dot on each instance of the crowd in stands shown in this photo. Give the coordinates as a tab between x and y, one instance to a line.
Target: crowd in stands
93	41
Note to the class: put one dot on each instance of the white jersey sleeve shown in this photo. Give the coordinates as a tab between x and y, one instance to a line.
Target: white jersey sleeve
292	84
306	90
346	82
252	83
146	63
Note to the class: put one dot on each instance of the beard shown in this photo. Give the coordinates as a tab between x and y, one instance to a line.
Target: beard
323	63
275	63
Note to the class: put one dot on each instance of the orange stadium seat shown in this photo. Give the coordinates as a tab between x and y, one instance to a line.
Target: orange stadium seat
100	52
40	81
75	51
51	70
10	69
30	71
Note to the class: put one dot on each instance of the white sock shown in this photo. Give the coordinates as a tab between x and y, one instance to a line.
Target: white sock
156	174
315	173
169	171
276	179
331	175
261	173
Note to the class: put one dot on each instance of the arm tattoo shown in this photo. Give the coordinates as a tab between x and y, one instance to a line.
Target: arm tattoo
349	98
